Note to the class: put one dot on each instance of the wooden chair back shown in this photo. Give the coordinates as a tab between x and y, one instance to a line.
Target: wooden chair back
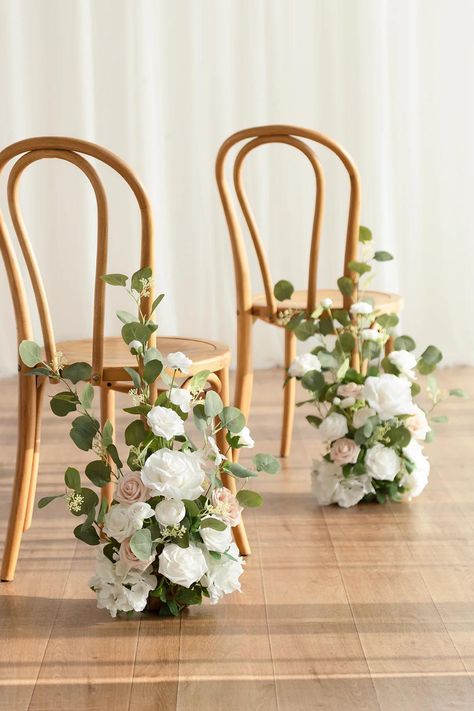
292	136
72	150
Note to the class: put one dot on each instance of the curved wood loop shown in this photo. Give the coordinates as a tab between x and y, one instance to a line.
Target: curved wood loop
249	218
69	149
287	134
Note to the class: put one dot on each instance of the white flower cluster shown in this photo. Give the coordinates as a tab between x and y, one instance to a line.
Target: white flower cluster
387	398
176	476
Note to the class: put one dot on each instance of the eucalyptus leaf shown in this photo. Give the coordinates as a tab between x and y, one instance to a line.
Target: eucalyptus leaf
107	433
135	331
77	371
98	472
141	544
152	370
239	471
115	279
232	419
198	381
458	392
87	535
30	353
213	404
359	267
365	235
72	479
126	317
283	289
404	343
139	276
313	380
87	396
346	286
214	523
266	463
47	500
135	433
250	499
382	256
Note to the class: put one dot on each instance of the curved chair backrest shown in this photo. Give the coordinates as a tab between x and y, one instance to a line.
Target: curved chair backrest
289	135
73	151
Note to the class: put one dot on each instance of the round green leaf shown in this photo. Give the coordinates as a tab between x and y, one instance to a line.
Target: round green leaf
115	279
72	479
404	343
77	371
232	419
249	498
30	353
283	289
213	523
141	544
213	404
365	235
382	256
98	472
266	463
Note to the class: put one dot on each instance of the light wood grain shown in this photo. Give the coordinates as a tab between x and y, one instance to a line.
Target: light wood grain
341	609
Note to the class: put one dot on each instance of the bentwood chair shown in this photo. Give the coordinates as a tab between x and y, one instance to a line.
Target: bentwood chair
109	356
264	307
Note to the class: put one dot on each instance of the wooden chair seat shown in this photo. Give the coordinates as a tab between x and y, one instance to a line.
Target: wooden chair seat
384	302
206	355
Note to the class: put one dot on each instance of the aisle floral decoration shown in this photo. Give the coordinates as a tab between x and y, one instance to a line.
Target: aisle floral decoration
167	535
362	380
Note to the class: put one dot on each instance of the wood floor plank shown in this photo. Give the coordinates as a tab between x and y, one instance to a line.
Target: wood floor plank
370	608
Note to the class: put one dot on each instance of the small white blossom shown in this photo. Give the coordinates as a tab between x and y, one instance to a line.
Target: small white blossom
326	303
361	308
177	361
74	502
370	334
135	346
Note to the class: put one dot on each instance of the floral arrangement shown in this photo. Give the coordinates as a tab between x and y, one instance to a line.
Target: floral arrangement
363	393
167	533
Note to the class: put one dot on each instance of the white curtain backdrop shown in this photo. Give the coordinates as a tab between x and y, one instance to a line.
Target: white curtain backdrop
164	83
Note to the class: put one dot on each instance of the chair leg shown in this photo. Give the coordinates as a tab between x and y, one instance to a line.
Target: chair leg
289	394
389	345
107	412
40	389
240	535
24	468
244	371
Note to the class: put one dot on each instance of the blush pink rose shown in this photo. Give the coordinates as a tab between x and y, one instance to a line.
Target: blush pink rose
344	451
226	505
129	559
131	488
350	390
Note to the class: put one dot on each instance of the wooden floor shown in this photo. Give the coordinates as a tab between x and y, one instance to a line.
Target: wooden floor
368	608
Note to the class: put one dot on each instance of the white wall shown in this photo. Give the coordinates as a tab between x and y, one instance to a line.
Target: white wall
163	83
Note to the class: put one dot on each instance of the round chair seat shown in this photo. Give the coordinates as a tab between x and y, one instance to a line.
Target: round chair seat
384	302
205	355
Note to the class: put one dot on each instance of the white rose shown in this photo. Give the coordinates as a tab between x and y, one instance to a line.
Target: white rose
417	423
181	398
223	575
217	541
325	478
382	462
331	487
361	308
169	512
405	362
174	474
245	440
361	416
333	427
136	346
350	491
165	422
183	566
119	589
389	395
122	520
326	303
418	479
303	364
177	361
370	334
